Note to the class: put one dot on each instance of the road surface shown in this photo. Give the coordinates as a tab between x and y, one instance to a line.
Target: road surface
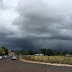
8	65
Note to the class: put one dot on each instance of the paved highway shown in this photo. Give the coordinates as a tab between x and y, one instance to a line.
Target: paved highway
8	65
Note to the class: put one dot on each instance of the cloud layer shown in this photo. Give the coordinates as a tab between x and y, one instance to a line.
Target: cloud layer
33	24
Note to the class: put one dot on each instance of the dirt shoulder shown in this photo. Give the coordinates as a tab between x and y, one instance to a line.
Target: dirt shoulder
54	64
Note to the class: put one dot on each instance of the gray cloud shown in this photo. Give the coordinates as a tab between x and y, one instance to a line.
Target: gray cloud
37	20
36	24
1	3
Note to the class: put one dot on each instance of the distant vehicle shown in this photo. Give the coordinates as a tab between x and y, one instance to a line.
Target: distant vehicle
0	57
5	56
14	58
11	55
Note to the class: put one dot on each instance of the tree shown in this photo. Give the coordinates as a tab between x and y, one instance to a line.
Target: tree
58	53
49	52
31	52
65	52
55	53
6	50
43	51
2	52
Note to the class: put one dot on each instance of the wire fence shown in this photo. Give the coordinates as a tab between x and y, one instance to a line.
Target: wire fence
49	59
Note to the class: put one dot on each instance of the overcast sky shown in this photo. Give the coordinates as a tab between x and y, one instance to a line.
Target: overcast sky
35	24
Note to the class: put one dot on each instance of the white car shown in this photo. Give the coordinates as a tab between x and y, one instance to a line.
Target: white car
11	55
14	58
5	56
0	57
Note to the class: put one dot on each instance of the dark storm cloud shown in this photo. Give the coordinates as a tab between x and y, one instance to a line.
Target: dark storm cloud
35	24
43	20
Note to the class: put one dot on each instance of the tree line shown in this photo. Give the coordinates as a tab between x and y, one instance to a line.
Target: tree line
44	51
49	52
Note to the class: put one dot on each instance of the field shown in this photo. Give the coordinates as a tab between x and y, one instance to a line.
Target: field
49	59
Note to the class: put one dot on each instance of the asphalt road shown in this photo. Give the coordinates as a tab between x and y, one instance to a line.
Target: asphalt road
8	65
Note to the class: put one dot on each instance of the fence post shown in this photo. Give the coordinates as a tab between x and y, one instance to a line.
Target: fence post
29	57
38	58
48	58
33	57
42	58
24	56
55	59
64	59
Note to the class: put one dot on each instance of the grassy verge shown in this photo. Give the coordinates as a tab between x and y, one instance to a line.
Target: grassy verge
49	59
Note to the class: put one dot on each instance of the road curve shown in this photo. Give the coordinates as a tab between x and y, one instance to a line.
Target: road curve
8	65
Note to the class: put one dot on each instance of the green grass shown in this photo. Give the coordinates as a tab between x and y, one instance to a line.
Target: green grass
50	59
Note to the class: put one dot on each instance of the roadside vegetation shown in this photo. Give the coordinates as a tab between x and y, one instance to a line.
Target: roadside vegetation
3	51
49	59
